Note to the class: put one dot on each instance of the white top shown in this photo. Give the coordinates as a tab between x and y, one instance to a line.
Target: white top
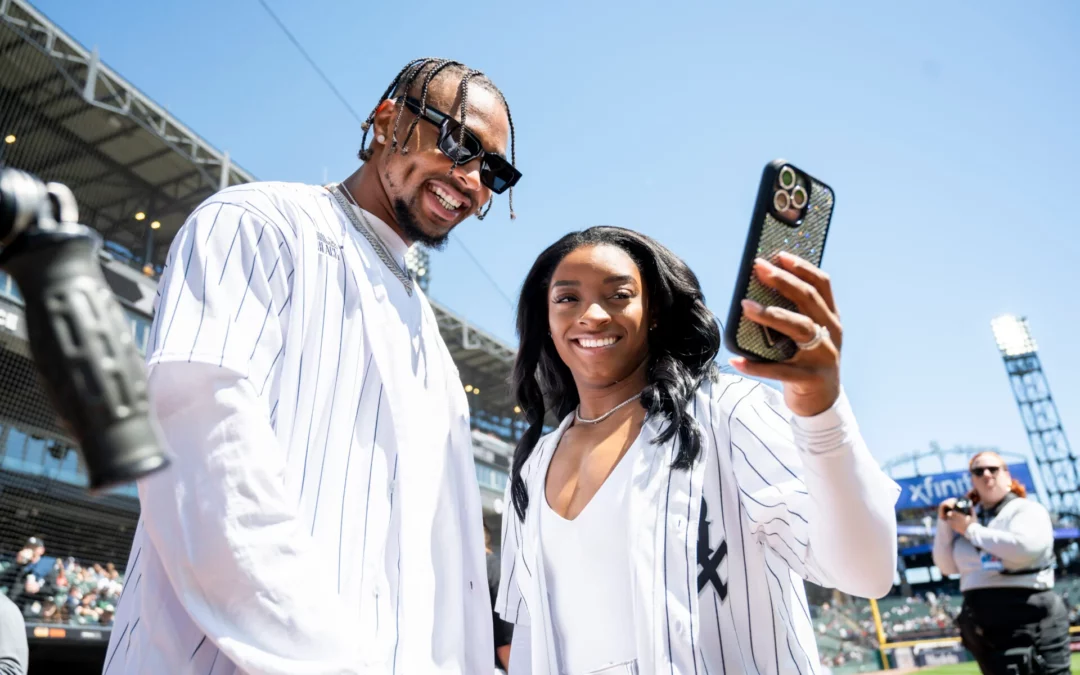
588	573
321	514
1019	537
719	550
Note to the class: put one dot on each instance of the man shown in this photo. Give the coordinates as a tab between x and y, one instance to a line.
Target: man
30	575
14	575
322	512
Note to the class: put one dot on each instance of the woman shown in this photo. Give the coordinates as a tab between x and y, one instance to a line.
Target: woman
664	525
1004	554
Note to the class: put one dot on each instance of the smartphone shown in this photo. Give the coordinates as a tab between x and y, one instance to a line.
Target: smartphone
792	214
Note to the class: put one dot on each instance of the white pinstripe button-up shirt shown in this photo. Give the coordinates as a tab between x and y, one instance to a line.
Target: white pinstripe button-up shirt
718	552
322	513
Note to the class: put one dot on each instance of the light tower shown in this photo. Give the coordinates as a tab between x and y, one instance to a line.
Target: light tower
419	265
1058	466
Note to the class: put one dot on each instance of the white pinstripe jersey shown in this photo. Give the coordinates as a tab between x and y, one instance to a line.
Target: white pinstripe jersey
271	281
718	553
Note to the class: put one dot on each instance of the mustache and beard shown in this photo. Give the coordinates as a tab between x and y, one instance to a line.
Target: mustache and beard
410	226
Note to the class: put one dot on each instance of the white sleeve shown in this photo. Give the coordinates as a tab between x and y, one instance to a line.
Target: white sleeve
228	537
813	492
521	654
943	549
509	603
223	297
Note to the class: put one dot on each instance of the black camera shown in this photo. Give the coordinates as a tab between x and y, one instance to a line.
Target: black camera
78	334
963	506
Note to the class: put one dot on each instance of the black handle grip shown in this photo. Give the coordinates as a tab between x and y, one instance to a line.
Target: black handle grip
85	351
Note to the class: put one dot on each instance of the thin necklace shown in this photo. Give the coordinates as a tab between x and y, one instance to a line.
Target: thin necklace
597	420
347	201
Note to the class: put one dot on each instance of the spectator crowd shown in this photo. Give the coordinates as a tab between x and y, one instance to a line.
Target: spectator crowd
51	590
847	637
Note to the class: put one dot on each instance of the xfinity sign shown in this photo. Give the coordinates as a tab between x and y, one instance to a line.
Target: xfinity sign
921	492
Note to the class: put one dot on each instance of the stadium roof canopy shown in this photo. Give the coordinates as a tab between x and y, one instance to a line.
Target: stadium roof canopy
67	117
72	119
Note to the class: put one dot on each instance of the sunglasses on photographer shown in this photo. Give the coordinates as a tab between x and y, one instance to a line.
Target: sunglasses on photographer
980	470
495	171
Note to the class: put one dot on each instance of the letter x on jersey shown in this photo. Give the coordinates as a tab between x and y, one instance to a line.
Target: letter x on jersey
709	559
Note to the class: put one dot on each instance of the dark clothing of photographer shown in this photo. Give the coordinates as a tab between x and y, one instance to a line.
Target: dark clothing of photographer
994	620
1005	562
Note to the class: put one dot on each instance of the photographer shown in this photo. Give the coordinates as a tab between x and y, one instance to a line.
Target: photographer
1002	546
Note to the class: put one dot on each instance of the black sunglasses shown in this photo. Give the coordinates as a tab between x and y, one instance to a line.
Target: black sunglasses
980	470
495	172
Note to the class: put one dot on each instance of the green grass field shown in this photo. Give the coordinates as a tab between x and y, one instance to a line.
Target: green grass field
972	669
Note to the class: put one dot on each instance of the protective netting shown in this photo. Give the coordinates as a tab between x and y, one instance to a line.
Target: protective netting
47	128
62	551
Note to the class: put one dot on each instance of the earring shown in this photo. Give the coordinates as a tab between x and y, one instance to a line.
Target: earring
380	138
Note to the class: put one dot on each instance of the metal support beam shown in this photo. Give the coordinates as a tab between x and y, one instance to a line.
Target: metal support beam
11	46
148	237
161	187
37	84
90	87
157	154
124	131
38	118
226	167
80	109
1059	467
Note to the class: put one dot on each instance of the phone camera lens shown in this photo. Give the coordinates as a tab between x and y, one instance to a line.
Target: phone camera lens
799	197
787	177
781	201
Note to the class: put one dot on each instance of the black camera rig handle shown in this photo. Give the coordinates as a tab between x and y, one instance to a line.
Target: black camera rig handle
78	335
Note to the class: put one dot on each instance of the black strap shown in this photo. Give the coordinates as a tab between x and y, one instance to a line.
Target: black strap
1029	570
985	515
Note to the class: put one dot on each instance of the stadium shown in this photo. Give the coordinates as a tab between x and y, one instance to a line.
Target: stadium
137	172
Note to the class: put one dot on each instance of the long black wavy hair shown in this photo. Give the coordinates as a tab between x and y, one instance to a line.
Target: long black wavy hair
682	347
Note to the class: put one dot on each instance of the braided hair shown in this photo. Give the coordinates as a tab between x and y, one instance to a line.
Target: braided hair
682	348
423	72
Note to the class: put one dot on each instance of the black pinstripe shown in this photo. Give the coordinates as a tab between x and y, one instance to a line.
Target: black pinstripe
191	250
790	620
742	535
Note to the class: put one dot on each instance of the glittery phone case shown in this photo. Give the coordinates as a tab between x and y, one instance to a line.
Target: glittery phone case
769	235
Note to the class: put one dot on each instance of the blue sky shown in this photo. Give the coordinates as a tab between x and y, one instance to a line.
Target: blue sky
948	131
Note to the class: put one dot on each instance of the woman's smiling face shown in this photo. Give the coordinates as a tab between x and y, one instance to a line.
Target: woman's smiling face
598	314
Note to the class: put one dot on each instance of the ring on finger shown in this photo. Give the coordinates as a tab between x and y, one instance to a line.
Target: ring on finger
821	333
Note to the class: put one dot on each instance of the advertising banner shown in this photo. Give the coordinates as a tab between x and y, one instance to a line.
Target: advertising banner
921	492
